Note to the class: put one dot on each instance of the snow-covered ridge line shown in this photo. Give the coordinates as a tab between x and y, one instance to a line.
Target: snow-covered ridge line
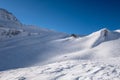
8	16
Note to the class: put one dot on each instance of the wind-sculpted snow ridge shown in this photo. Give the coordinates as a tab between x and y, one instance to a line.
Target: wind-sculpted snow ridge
102	44
106	35
68	70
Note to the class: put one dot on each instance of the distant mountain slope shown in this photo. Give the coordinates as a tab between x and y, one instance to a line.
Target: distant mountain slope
24	44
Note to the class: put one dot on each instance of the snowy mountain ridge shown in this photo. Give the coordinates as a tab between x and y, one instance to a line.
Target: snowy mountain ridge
6	16
32	53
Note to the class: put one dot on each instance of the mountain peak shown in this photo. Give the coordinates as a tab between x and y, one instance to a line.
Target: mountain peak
103	29
103	35
104	32
7	16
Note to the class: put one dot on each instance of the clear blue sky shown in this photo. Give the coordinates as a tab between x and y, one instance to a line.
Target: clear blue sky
70	16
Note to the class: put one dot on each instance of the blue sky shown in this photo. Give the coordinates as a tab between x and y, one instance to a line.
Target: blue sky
70	16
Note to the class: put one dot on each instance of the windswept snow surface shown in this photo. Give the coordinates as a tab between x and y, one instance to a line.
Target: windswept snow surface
28	52
68	70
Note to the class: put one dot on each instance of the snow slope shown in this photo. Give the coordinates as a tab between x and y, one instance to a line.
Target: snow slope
25	44
43	54
97	45
68	70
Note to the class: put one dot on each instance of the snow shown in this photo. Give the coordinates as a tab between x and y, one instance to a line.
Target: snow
7	16
67	70
28	52
106	49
